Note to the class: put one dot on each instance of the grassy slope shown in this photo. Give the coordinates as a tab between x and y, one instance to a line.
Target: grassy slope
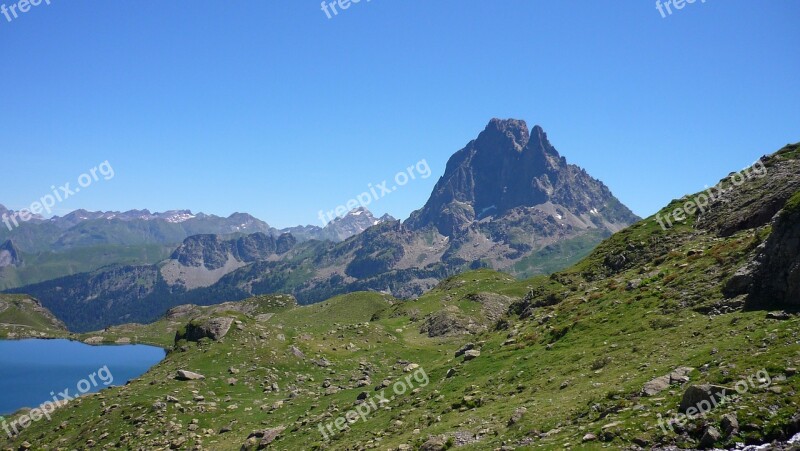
575	353
20	317
604	347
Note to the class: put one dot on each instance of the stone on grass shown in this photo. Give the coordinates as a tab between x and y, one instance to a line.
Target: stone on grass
185	375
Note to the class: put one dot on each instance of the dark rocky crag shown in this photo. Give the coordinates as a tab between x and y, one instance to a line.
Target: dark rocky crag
772	277
506	168
213	252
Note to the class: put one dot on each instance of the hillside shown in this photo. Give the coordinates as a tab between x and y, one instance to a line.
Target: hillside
600	355
23	317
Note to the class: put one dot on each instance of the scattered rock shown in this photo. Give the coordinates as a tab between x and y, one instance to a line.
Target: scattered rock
710	437
464	349
184	375
730	424
297	352
471	354
262	439
93	340
434	444
780	316
322	362
517	415
633	284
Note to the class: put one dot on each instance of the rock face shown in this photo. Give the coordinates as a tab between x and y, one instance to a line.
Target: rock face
215	329
212	252
507	167
775	278
445	323
9	255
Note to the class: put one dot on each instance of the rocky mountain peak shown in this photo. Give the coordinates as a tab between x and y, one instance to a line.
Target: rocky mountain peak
353	223
500	133
507	167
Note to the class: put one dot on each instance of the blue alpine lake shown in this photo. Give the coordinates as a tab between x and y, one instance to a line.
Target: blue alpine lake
35	371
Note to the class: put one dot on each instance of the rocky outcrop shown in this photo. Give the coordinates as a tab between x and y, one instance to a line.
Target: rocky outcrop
449	322
214	328
772	277
9	255
776	276
213	252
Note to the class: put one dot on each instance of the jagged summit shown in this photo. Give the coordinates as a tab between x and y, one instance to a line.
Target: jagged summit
506	167
340	228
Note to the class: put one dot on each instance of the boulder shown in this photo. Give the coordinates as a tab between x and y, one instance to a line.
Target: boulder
214	328
184	375
710	437
471	354
297	352
465	348
659	384
262	439
434	444
703	397
729	424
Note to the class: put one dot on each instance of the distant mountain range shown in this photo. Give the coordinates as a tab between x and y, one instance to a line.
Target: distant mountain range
508	200
87	240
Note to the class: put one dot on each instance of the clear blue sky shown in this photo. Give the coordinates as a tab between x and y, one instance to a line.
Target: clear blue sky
271	108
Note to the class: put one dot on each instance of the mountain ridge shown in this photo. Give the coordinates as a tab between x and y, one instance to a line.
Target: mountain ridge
548	221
